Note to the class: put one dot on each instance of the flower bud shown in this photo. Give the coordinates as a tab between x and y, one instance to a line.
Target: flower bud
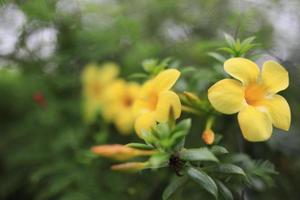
191	96
130	166
119	152
208	136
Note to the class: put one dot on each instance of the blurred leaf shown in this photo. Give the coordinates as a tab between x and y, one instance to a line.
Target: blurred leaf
224	191
226	168
229	39
228	50
183	125
174	185
138	76
217	56
139	146
200	154
187	70
205	181
218	150
159	160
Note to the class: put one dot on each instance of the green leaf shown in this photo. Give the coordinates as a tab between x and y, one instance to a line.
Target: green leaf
227	169
205	181
228	50
179	144
248	41
139	146
188	70
149	64
200	154
217	56
162	130
217	150
229	39
184	125
138	76
175	184
224	191
246	48
159	160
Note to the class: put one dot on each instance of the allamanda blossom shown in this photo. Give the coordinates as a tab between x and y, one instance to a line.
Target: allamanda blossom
253	96
156	102
95	80
118	101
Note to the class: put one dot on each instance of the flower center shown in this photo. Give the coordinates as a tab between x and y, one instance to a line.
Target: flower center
152	101
96	88
127	101
254	93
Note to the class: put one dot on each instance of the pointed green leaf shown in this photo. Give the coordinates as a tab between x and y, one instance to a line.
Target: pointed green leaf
149	64
224	191
229	39
175	184
187	70
162	130
200	154
138	76
227	168
228	50
139	146
217	150
247	41
205	181
217	56
184	125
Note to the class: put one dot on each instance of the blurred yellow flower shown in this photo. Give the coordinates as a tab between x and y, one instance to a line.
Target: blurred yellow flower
120	152
118	104
95	79
157	102
254	96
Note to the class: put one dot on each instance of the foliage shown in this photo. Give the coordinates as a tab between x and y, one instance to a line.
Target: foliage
45	142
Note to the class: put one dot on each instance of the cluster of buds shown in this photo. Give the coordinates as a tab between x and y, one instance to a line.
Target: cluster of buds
122	153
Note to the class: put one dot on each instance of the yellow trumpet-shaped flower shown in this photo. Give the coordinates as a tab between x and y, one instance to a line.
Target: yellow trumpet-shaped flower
118	104
95	80
156	101
254	96
120	152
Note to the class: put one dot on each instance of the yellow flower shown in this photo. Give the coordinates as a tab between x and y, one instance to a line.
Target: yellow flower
120	152
253	96
130	166
118	104
157	102
95	80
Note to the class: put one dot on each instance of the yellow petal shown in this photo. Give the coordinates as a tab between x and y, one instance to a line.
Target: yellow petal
144	122
89	73
279	111
242	69
227	96
274	76
108	72
168	102
256	125
91	108
166	79
124	121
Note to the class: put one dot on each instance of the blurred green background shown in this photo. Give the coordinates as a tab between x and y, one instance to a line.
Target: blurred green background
44	45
